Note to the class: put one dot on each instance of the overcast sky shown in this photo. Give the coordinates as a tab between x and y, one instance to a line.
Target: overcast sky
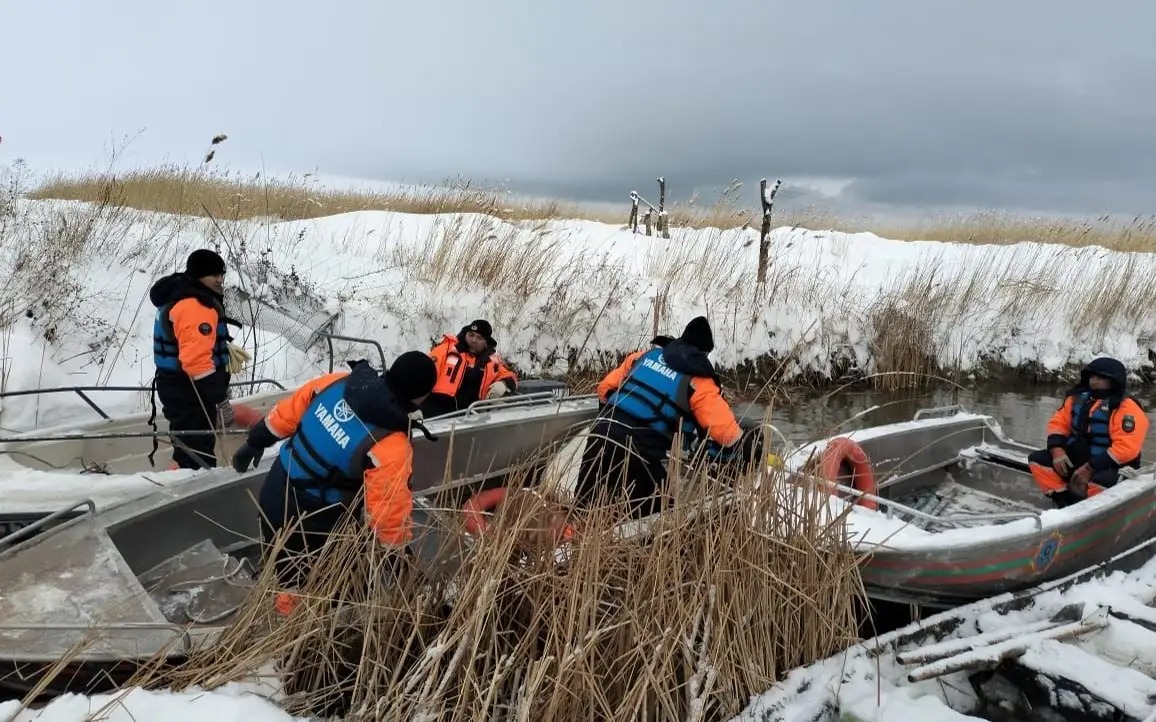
894	103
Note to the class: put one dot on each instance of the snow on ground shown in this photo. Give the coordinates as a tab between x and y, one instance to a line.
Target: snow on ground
230	703
78	313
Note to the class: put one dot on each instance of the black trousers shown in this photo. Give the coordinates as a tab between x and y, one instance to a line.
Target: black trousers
185	410
312	521
1078	455
605	460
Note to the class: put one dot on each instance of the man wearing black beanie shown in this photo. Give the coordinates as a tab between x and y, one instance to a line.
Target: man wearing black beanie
193	356
646	400
469	369
344	431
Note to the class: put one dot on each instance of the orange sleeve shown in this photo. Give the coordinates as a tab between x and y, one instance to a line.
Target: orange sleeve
1061	421
283	418
195	326
614	379
713	413
504	373
1127	444
388	500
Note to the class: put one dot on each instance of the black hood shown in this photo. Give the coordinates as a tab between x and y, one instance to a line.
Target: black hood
178	286
374	402
687	359
1109	368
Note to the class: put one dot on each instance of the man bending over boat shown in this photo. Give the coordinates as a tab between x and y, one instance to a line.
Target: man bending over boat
469	369
194	357
345	430
1098	430
653	393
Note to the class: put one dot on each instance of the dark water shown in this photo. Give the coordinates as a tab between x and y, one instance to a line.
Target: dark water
1022	413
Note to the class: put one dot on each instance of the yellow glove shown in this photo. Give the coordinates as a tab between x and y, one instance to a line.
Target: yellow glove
238	357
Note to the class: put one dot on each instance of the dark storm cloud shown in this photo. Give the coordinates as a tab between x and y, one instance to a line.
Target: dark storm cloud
917	103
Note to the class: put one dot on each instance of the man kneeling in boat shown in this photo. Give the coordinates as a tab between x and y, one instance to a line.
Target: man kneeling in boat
345	430
647	398
469	369
1098	430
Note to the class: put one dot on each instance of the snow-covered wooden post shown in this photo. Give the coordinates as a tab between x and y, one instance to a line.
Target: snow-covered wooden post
634	211
767	200
662	225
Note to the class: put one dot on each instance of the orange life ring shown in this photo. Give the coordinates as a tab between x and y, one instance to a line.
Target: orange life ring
477	506
246	416
484	501
842	452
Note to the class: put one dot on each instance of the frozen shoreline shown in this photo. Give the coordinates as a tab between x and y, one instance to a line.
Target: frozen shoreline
561	295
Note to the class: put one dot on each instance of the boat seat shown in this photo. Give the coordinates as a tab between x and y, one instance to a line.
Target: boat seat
73	593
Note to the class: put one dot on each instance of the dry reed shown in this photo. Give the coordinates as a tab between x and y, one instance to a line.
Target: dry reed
202	190
683	621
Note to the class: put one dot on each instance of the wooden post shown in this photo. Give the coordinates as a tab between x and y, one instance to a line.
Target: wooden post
663	228
646	220
767	202
633	212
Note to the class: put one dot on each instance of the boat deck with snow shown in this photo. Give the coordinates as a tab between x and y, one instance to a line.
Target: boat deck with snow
122	445
1078	648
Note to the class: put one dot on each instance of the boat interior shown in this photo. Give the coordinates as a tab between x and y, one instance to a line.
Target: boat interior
123	445
167	569
945	469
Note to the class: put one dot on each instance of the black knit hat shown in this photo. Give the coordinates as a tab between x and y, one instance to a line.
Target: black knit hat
661	340
204	262
412	375
698	334
482	327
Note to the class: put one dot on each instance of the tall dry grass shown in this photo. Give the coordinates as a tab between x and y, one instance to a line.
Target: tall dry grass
1133	234
684	620
204	190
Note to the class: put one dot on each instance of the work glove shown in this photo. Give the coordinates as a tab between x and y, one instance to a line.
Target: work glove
225	411
245	456
498	390
1078	484
1060	461
238	357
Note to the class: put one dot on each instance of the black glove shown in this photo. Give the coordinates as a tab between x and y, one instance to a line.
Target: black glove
399	565
751	446
246	455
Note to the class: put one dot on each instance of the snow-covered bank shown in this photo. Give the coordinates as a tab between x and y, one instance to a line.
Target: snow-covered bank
230	703
559	293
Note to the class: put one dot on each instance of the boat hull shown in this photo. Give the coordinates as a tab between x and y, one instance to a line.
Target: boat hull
1024	541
